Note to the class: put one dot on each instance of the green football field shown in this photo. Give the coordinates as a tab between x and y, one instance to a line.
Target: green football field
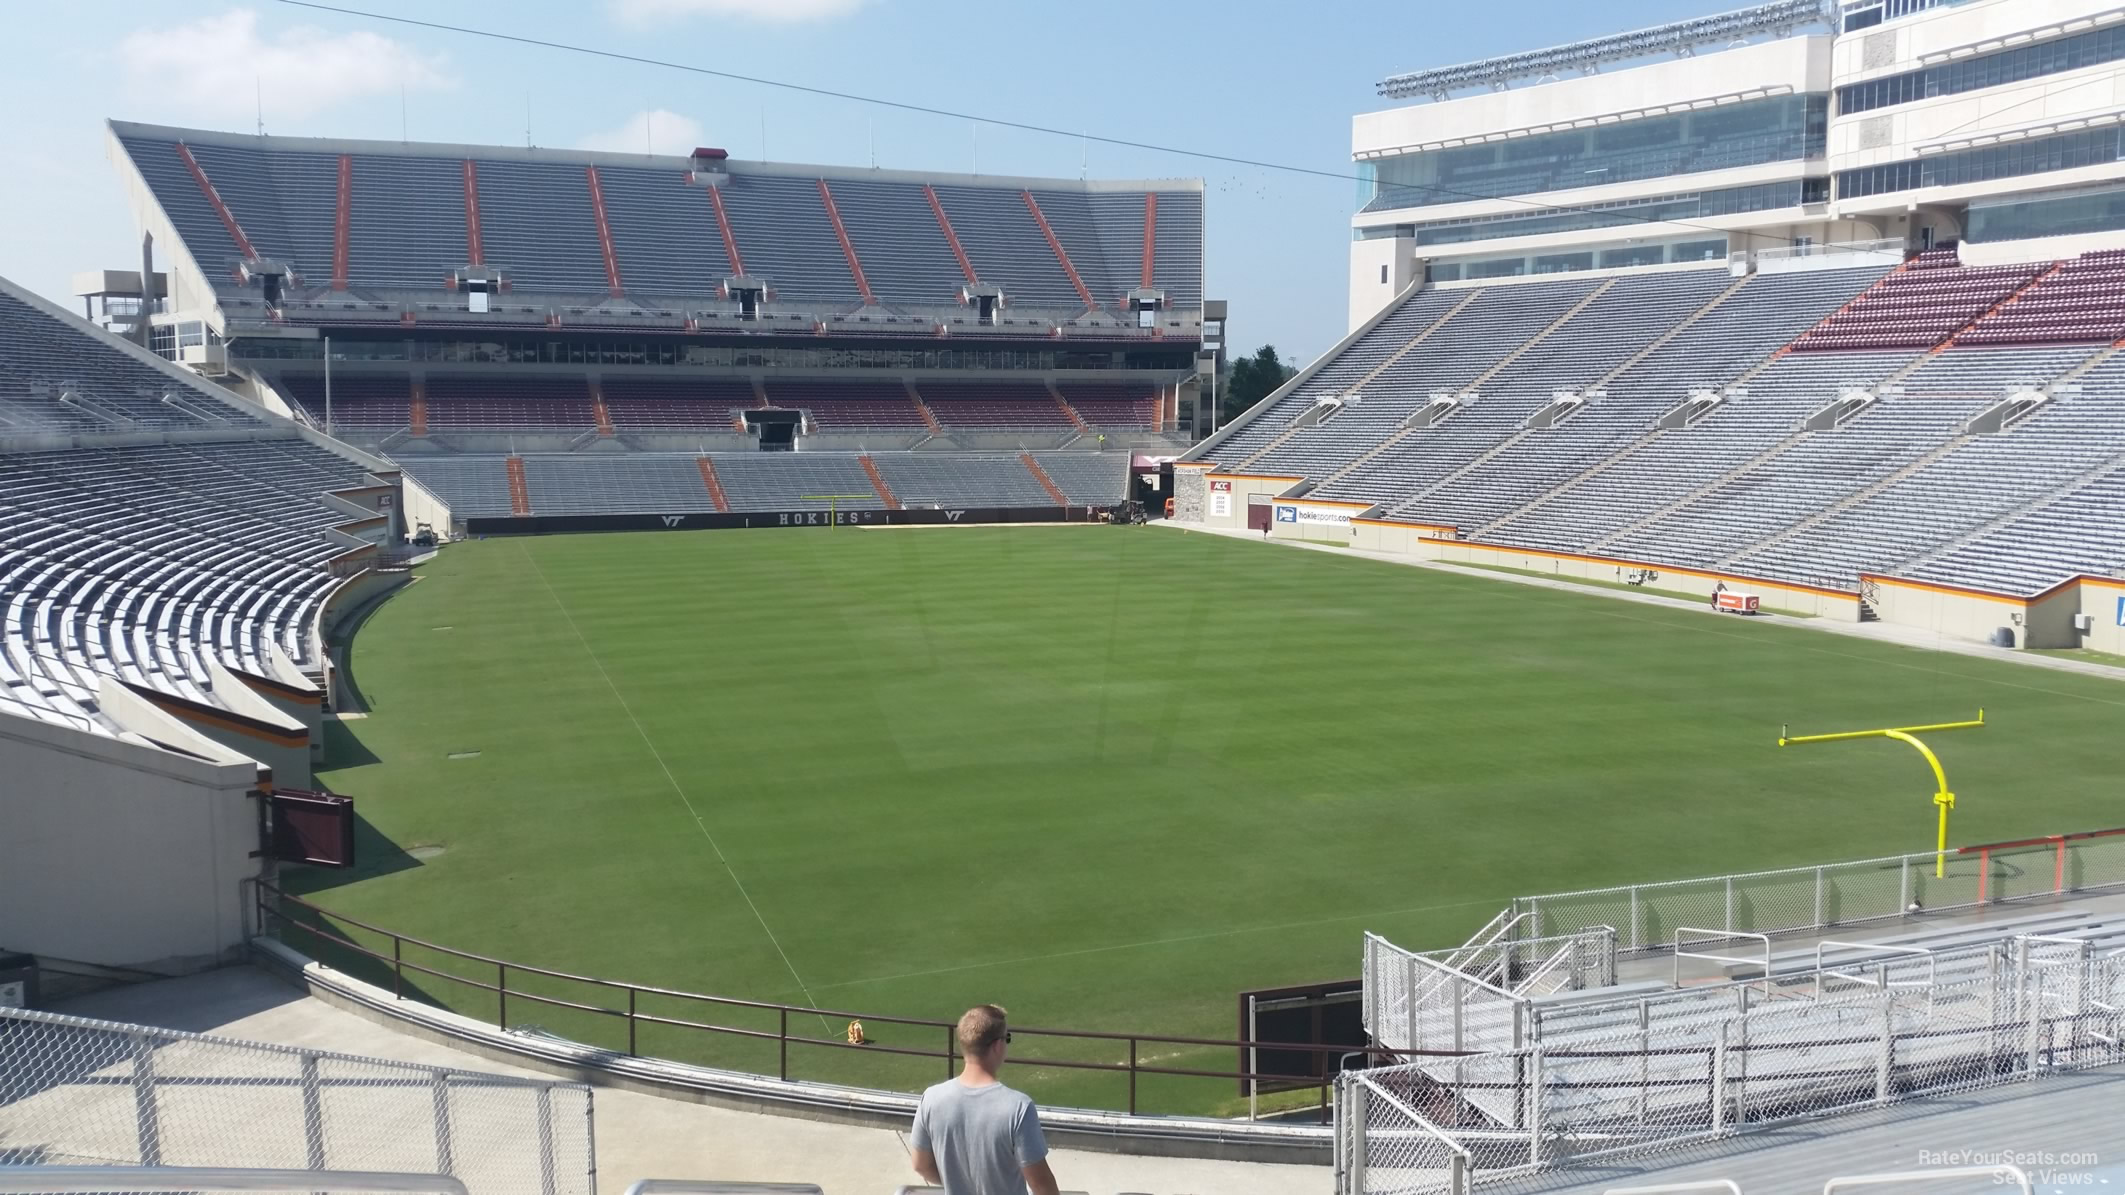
1107	777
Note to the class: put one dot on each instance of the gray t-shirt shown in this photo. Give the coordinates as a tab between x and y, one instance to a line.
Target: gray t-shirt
980	1135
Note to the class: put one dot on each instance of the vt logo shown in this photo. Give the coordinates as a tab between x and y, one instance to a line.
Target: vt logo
952	516
674	520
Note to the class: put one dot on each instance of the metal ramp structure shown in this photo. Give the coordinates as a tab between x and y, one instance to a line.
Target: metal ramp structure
1539	1055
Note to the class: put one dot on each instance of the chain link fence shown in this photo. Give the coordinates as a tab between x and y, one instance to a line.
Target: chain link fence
1475	997
1805	899
81	1092
2035	1007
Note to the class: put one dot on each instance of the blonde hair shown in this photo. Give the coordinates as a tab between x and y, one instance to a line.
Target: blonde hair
982	1026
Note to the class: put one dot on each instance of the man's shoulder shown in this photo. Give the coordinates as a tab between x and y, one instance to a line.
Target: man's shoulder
940	1091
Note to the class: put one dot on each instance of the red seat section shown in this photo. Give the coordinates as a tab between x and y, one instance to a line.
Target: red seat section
2083	302
659	404
1920	306
482	403
1004	404
841	406
1128	407
368	403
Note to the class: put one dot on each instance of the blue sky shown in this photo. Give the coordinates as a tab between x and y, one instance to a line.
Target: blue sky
1250	78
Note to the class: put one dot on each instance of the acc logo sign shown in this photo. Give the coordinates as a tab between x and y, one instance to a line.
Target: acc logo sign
1287	514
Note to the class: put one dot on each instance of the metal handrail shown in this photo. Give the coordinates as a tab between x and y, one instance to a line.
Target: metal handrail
61	1180
1714	935
1461	1169
1135	1064
689	1186
1932	964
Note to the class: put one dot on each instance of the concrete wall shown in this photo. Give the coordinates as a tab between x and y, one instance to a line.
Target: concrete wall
124	855
1225	504
1368	293
420	505
1320	522
2104	602
2043	621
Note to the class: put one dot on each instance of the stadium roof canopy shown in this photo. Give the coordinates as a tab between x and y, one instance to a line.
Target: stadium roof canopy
1778	19
335	232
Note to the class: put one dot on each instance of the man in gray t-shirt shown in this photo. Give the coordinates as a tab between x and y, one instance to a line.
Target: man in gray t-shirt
973	1135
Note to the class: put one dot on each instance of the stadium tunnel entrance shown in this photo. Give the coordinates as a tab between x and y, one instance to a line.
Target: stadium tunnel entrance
775	427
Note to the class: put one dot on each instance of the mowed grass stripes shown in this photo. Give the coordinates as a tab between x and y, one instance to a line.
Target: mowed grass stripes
1105	776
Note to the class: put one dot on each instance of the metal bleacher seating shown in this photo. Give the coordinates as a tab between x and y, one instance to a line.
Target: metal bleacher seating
1112	406
649	404
1087	478
993	405
48	386
960	479
1723	342
1617	325
1710	424
483	402
795	481
618	483
141	562
471	486
1006	245
843	406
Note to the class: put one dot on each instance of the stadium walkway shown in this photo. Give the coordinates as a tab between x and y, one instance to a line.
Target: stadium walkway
645	1136
1916	637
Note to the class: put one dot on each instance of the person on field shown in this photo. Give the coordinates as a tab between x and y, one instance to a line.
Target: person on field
973	1135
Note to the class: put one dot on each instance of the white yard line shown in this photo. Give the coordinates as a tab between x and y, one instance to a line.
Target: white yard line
676	787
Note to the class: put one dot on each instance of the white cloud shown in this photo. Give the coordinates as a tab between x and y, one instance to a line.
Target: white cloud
654	131
215	66
780	12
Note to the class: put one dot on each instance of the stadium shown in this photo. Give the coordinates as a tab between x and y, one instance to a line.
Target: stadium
528	668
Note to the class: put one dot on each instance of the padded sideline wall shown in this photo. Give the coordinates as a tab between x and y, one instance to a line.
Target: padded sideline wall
122	855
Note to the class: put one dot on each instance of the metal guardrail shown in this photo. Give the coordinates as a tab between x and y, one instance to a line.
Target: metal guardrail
1142	1055
1812	899
1880	979
1699	936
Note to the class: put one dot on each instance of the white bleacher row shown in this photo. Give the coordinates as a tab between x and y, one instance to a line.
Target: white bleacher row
142	563
1898	486
673	483
47	387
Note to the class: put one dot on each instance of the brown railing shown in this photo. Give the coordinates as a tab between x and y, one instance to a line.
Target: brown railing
1145	1055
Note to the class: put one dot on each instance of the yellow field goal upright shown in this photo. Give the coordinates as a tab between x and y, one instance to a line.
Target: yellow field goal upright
833	504
1942	797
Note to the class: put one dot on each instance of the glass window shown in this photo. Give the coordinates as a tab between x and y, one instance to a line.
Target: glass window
1559	263
2041	155
1504	267
1632	255
1985	70
2064	214
1709	250
1779	129
1730	202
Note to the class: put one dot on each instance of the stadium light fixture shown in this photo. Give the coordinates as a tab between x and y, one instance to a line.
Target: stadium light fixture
1905	734
1778	19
